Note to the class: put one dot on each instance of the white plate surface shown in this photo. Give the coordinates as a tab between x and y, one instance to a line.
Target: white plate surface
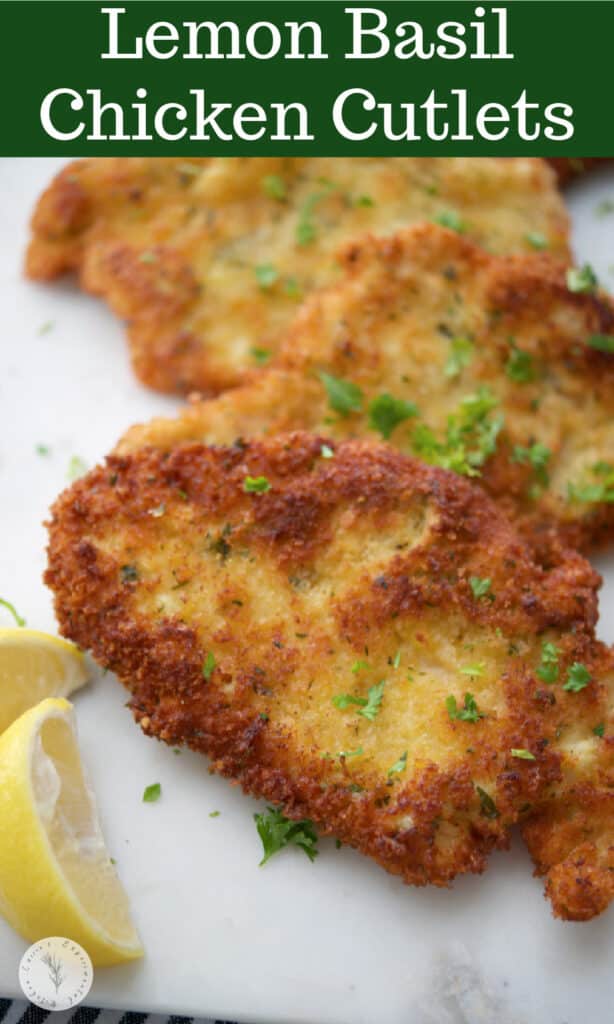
334	942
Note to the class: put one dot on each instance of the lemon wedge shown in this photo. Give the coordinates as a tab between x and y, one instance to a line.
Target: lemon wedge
35	665
56	876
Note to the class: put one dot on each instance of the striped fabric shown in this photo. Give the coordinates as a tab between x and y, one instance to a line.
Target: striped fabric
13	1012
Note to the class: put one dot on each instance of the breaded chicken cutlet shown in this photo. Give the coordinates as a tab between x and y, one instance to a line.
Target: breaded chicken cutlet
208	260
496	367
569	168
346	631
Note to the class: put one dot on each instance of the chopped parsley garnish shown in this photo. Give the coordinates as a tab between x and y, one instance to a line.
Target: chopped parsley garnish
451	219
214	814
129	573
42	449
368	706
260	355
277	831
487	804
461	354
400	765
148	256
256	485
364	201
535	455
599	730
522	753
360	666
601	342
343	396
519	366
152	793
548	670
76	467
396	661
326	451
481	588
19	621
292	288
351	753
274	187
471	436
578	677
209	665
582	279
386	412
473	670
467	713
536	240
306	231
266	275
602	490
46	327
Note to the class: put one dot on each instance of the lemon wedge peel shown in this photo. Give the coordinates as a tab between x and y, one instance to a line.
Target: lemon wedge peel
46	879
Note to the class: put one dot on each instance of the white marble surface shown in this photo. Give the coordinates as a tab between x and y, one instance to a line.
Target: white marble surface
336	942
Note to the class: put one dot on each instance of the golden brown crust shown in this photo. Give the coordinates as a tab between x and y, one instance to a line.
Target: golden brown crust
157	560
175	246
569	168
390	327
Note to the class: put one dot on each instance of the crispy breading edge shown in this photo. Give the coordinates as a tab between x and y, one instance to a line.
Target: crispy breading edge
94	609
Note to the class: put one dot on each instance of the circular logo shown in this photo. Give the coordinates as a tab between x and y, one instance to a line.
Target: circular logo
56	973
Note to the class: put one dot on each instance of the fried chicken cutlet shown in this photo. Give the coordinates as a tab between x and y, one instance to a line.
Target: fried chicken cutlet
496	367
344	630
208	260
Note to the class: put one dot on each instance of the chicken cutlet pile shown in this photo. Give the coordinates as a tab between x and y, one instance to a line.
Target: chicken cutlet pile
501	368
350	633
208	260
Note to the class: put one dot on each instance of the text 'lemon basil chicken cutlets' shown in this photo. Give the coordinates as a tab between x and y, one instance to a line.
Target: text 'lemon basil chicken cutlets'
348	632
501	368
209	259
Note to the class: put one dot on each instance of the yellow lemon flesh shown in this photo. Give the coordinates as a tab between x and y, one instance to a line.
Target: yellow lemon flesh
35	665
56	876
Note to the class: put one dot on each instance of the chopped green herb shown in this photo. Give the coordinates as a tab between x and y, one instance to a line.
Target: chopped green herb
473	670
468	713
364	201
536	240
461	354
326	451
386	412
129	573
46	327
263	716
548	670
148	256
214	814
277	831
601	490
343	396
400	765
351	753
481	588
524	755
396	661
274	187
19	621
487	804
605	207
152	793
601	342
256	485
343	700
42	449
599	729
360	666
209	665
292	288
76	467
260	355
519	366
266	275
306	231
451	219
471	436
537	456
582	279
375	695
578	677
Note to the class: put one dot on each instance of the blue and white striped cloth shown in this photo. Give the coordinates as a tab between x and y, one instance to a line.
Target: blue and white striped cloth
14	1012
